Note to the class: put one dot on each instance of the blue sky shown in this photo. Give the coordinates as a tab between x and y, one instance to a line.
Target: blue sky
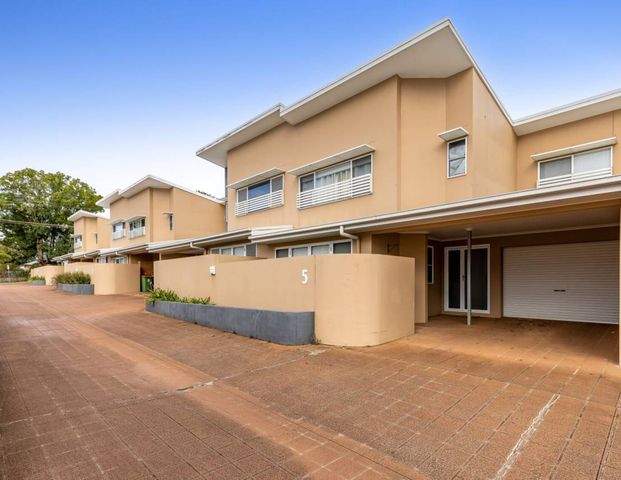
109	91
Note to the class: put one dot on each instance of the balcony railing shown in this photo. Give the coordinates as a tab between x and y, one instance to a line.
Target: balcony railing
116	234
136	232
575	177
269	200
354	187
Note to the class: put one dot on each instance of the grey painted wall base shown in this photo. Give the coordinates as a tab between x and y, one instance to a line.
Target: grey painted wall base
77	288
286	328
37	282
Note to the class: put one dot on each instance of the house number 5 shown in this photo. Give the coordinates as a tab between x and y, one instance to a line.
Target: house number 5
304	276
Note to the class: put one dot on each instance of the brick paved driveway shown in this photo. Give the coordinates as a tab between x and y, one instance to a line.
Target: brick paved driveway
93	387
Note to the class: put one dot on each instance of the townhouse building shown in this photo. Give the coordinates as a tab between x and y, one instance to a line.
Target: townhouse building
413	155
145	214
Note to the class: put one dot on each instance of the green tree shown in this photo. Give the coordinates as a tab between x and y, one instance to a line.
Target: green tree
34	206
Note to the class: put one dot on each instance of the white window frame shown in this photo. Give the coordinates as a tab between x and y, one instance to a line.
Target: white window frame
550	181
217	250
448	148
77	244
351	177
270	204
122	224
101	260
142	229
310	245
120	260
463	293
430	264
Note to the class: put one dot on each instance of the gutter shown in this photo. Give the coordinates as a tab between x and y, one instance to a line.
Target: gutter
537	198
343	234
191	245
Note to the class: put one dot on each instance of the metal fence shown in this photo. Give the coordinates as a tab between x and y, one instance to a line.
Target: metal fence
10	276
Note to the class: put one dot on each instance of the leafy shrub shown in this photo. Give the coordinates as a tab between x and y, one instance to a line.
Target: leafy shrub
37	277
161	295
73	278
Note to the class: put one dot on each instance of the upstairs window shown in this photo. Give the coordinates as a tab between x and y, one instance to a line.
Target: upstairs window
118	230
137	228
572	168
456	158
170	222
77	241
337	182
260	196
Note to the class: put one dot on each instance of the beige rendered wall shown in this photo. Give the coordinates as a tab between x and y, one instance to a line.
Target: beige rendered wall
575	133
189	276
368	118
104	233
87	227
195	216
492	145
357	299
109	278
124	208
415	246
48	271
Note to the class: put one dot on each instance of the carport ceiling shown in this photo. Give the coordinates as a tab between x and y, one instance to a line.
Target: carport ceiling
595	217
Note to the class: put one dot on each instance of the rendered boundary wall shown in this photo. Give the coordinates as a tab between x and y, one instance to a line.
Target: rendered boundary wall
358	299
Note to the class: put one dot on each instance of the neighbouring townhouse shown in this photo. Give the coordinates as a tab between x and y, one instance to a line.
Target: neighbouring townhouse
144	215
413	156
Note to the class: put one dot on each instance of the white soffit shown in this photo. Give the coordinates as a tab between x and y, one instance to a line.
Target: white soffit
135	217
583	147
589	107
84	214
217	150
435	53
332	159
453	134
272	172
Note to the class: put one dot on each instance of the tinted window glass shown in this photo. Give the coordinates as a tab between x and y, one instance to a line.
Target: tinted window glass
307	182
589	161
362	166
276	184
251	250
341	247
242	195
282	253
259	189
555	168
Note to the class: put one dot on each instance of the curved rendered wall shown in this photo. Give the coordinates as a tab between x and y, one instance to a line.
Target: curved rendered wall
358	300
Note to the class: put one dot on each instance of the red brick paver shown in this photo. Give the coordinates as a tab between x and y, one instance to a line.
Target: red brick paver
93	387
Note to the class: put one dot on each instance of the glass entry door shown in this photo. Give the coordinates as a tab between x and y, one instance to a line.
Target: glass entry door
455	279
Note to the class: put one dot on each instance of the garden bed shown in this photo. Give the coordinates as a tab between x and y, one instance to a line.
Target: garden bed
77	288
286	328
37	282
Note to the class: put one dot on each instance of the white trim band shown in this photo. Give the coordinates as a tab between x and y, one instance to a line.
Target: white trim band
583	147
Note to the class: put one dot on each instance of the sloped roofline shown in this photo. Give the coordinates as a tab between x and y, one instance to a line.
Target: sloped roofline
314	103
148	181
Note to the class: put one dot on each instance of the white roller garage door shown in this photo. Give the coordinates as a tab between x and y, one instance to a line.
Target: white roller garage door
576	282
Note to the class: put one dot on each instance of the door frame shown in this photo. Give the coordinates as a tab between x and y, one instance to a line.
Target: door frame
462	273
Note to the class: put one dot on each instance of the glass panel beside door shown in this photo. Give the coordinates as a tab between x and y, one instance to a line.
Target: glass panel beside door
455	279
